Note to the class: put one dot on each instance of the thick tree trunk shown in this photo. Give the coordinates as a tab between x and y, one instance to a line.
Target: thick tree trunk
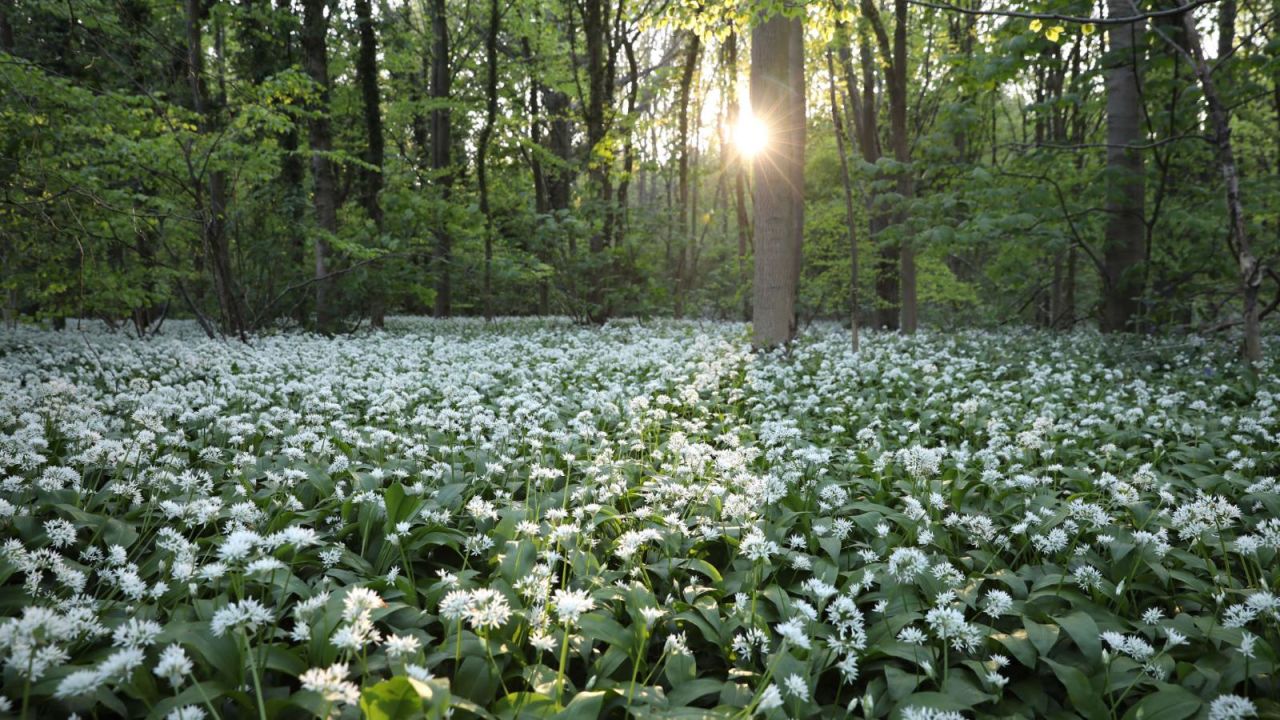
560	143
777	98
325	194
211	207
850	218
441	161
1125	247
482	152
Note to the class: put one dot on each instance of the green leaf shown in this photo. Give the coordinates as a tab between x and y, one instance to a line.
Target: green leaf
1084	632
1168	702
1042	636
1085	698
404	697
901	684
584	706
599	627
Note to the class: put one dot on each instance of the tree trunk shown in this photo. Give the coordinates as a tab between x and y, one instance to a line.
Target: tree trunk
629	144
325	196
850	218
441	161
869	143
211	208
482	152
739	178
595	29
902	153
777	99
894	55
686	235
1226	28
1251	271
367	76
1126	228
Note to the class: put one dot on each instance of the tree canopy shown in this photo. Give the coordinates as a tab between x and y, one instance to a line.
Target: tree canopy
259	164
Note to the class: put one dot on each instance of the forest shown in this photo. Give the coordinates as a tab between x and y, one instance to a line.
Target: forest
257	165
640	359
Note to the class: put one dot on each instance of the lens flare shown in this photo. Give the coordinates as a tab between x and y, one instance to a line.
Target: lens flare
750	135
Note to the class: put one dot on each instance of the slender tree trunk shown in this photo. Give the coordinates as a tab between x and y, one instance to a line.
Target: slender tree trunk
1126	219
739	170
850	218
315	27
686	233
902	153
887	260
482	152
211	207
441	160
367	76
777	98
1251	271
894	56
595	29
629	144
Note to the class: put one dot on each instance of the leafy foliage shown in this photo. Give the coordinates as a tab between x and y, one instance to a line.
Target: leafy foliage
524	518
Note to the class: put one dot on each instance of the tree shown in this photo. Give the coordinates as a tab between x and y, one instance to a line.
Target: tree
1125	246
894	57
482	151
685	229
315	25
778	99
441	161
211	198
375	147
850	218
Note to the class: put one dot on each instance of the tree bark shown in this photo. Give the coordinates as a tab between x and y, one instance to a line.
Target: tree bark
367	76
739	171
1125	247
1251	271
692	53
777	99
325	197
894	55
850	218
869	144
441	161
482	152
600	64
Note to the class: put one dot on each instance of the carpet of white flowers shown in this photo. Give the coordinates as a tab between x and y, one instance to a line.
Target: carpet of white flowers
528	518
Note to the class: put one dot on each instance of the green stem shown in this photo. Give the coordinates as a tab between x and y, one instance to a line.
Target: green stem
257	682
564	661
